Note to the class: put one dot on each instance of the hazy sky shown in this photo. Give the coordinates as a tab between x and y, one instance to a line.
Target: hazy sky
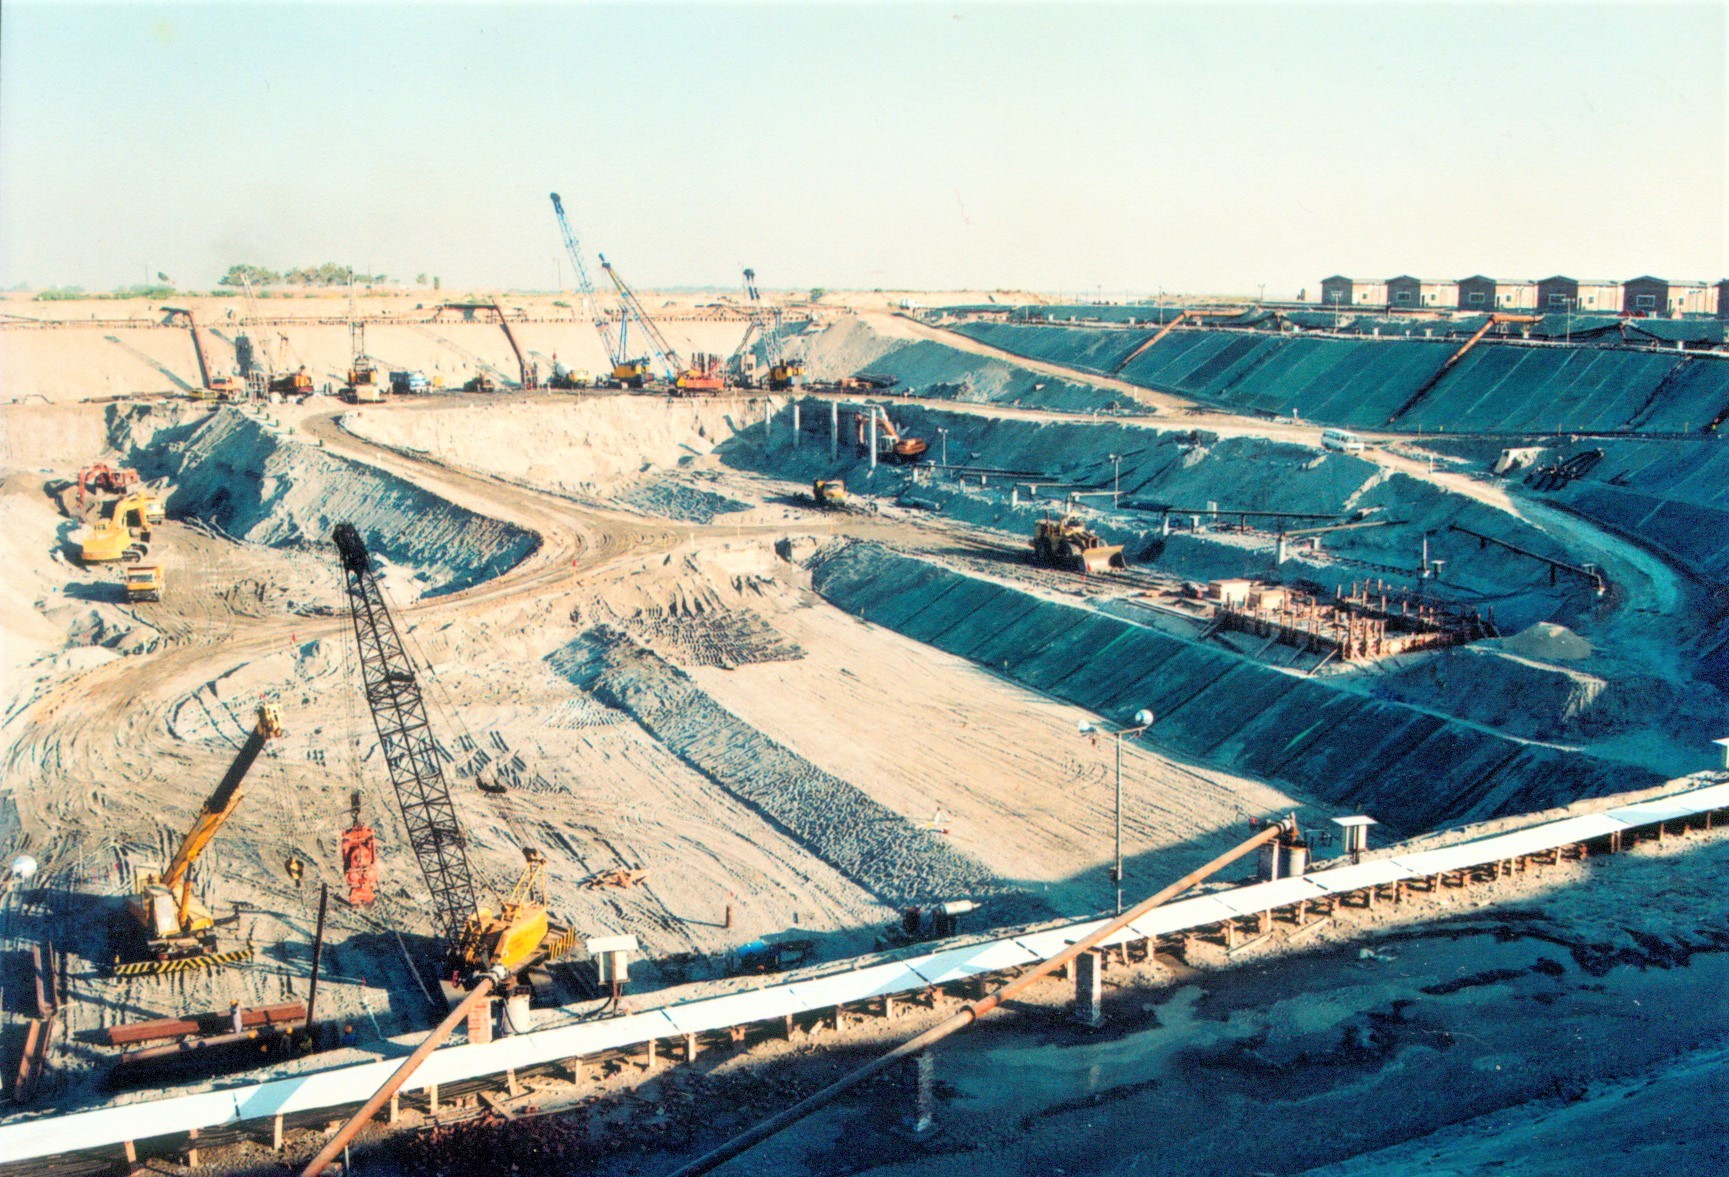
1207	147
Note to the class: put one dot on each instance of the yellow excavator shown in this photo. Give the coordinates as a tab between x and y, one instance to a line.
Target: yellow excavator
124	533
177	929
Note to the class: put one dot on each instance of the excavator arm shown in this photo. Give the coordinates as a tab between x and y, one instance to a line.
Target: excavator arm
221	804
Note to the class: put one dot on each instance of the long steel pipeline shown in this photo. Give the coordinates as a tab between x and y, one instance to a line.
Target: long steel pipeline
316	1166
969	1014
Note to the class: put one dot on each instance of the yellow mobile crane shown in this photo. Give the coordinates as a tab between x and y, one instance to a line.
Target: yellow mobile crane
177	928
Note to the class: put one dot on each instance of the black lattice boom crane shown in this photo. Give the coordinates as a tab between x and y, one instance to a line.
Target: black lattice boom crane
404	736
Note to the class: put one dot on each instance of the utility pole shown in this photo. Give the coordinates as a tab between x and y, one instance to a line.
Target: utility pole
1116	461
1143	720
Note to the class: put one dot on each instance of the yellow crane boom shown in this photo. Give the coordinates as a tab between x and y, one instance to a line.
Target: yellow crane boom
176	925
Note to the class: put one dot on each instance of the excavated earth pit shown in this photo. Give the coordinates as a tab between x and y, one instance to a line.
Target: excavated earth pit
795	721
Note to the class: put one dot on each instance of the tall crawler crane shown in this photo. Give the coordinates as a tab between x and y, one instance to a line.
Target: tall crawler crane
703	374
782	372
476	939
626	371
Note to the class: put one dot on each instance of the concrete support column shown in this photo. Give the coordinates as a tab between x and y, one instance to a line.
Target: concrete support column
795	424
432	1099
1089	988
833	430
192	1148
276	1133
690	1048
395	1108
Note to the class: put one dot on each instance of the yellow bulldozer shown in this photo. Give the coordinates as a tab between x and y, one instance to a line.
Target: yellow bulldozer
1066	543
828	493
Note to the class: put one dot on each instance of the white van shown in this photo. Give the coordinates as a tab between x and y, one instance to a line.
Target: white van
1341	440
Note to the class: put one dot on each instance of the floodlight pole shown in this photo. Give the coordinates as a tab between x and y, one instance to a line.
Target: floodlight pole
1088	729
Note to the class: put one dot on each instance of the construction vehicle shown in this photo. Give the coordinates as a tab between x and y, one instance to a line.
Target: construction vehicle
211	388
1066	543
828	493
102	477
144	582
703	375
405	383
519	934
891	445
296	383
625	371
123	534
175	926
364	386
782	373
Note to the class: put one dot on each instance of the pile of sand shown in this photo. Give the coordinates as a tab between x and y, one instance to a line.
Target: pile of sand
1548	642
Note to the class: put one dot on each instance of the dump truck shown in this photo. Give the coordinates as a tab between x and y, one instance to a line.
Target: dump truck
1066	543
144	582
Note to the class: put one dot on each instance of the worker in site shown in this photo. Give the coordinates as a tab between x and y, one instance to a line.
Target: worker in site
237	1015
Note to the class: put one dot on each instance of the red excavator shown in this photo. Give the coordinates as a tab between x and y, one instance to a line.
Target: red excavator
105	478
891	445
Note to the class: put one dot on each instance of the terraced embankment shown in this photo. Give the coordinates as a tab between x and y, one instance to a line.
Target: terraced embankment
1369	383
239	475
1412	770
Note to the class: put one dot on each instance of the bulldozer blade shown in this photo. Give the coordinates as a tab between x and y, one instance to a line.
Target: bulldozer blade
1103	559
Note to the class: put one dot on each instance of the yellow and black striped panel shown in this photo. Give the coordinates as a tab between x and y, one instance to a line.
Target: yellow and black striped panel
561	941
214	960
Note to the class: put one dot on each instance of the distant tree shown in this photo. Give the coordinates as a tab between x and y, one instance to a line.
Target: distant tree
59	293
816	293
164	278
241	273
420	279
435	282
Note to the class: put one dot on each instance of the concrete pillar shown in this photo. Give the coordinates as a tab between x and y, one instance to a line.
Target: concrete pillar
131	1153
1089	989
276	1133
795	424
833	430
395	1108
649	1065
690	1048
510	1083
192	1148
923	1121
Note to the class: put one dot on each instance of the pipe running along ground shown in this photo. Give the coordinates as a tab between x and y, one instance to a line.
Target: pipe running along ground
970	1013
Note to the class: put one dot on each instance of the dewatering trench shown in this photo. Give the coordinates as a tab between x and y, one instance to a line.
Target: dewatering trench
248	480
